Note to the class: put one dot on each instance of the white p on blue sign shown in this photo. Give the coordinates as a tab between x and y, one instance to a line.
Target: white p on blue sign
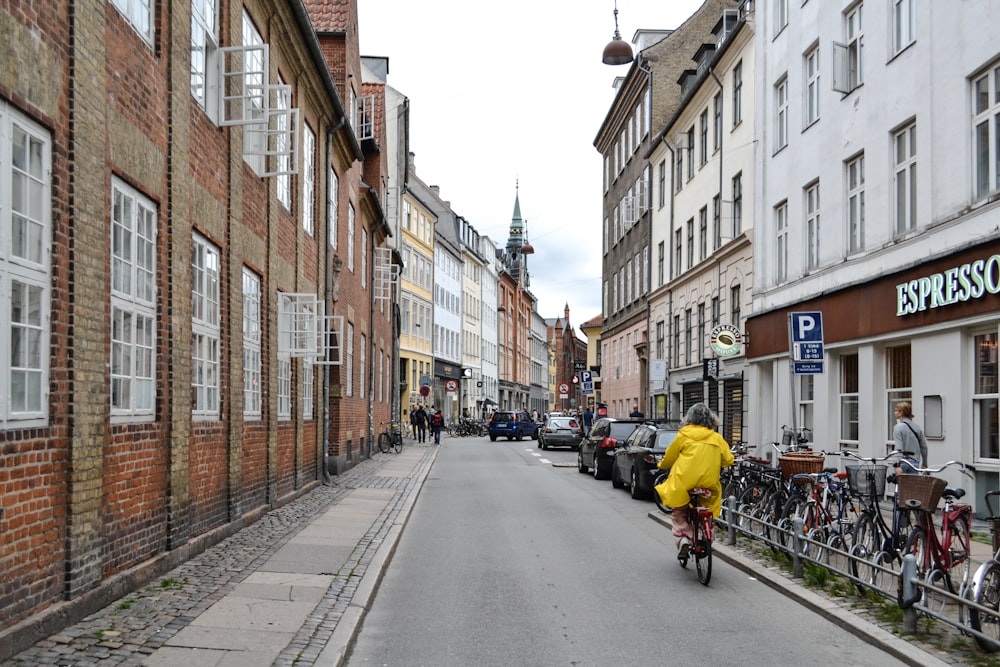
806	331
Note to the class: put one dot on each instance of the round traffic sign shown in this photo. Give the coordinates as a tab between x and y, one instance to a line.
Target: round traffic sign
425	391
563	388
451	385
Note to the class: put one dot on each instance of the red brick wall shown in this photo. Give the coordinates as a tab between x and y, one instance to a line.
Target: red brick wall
208	481
254	465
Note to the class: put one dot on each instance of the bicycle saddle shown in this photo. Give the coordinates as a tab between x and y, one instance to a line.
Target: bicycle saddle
954	493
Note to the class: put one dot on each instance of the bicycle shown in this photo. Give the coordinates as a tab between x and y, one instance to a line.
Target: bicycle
874	541
825	506
702	528
985	588
391	438
945	555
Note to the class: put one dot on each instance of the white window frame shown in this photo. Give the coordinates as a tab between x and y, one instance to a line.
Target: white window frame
855	204
206	273
364	258
986	131
737	226
204	53
781	114
737	93
308	411
364	114
812	86
849	399
985	394
363	365
133	304
284	387
904	182
812	209
780	15
139	14
349	344
781	249
245	70
25	268
350	237
848	58
332	201
251	345
904	24
308	180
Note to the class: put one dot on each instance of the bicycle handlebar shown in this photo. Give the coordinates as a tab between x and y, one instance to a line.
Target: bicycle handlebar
966	468
871	459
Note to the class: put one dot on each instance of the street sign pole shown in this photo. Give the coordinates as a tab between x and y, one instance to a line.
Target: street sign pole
791	368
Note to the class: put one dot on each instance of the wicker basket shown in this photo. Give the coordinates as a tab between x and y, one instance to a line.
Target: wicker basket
866	481
924	489
796	463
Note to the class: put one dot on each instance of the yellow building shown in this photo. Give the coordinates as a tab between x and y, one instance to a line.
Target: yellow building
416	303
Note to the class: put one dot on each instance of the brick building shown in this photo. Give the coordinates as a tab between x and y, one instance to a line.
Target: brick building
195	267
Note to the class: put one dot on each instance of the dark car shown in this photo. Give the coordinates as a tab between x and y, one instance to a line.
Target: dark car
597	447
512	425
635	459
560	432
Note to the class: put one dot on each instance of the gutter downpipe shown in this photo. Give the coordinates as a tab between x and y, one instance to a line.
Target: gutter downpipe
648	404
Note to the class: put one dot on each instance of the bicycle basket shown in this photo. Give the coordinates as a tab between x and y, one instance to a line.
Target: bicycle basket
866	480
795	463
926	490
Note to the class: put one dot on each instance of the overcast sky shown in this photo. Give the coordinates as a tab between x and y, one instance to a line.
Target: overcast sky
514	96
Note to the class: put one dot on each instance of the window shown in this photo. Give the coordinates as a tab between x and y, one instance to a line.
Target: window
905	178
898	382
717	222
735	303
806	400
205	273
308	179
350	237
251	344
678	247
702	233
700	339
331	202
679	169
781	252
985	394
662	184
812	86
904	24
284	387
812	226
677	341
133	302
716	311
139	13
781	109
204	43
307	388
780	15
856	205
660	343
703	139
690	243
688	338
363	366
738	93
364	256
986	105
660	262
737	205
690	147
349	388
283	103
26	227
717	111
255	87
848	69
849	400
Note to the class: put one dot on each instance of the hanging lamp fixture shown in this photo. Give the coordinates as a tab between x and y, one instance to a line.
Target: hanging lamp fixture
618	51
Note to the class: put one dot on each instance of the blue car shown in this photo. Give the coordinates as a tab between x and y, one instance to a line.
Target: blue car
512	425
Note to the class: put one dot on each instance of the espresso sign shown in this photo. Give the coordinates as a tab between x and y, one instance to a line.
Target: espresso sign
726	340
955	285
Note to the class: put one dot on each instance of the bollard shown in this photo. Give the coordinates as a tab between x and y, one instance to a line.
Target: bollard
731	502
909	593
797	549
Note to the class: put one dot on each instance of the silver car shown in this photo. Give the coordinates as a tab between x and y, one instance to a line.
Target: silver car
560	432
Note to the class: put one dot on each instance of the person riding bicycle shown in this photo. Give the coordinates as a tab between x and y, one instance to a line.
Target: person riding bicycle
695	458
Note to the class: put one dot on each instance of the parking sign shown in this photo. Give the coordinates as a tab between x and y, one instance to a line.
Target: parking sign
806	339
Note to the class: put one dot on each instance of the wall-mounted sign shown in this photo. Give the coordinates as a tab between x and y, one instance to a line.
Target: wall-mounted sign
726	340
971	280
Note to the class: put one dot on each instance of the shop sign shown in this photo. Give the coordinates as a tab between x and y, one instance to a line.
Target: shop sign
726	340
962	283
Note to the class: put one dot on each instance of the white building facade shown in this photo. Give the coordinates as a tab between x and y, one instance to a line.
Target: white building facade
876	206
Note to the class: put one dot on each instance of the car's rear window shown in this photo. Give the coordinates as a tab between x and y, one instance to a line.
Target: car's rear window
503	416
664	438
564	422
622	430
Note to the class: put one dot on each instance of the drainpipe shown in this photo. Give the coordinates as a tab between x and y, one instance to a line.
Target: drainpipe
327	294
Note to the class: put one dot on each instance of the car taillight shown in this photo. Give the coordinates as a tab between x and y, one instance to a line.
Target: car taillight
608	443
650	458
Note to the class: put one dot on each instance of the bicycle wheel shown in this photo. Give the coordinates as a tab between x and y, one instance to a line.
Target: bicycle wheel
383	443
864	550
987	594
795	507
703	561
397	442
916	544
959	564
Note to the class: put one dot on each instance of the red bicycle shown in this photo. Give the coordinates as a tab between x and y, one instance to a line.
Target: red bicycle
702	528
943	555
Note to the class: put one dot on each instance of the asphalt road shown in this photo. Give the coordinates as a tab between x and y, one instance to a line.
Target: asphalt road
512	557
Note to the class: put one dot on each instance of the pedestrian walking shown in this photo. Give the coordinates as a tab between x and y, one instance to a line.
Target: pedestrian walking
413	421
421	424
588	420
437	423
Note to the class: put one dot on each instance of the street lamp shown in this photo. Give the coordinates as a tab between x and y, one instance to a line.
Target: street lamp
618	51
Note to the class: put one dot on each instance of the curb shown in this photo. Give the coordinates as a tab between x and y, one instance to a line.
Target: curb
897	647
334	654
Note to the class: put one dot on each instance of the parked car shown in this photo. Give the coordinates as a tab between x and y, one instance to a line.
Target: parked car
513	425
597	447
560	432
635	459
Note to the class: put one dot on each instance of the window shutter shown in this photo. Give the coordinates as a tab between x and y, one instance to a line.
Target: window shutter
841	68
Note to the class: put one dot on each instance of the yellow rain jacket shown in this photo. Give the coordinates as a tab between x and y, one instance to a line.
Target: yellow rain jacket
694	458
